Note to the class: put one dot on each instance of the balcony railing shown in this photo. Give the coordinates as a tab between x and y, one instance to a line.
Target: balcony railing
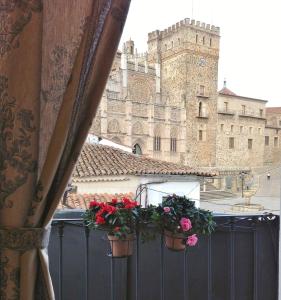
238	261
224	111
248	114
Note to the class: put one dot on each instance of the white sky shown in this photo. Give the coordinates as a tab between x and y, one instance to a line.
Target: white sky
250	56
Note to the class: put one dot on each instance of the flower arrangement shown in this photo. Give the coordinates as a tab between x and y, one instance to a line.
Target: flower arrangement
177	217
181	221
119	219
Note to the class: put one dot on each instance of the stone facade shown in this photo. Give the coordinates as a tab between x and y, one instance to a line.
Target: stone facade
165	102
240	131
272	139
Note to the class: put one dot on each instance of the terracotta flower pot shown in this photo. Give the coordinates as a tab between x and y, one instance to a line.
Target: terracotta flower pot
174	241
121	247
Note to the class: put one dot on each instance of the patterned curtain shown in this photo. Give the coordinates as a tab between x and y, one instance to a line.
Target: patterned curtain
55	56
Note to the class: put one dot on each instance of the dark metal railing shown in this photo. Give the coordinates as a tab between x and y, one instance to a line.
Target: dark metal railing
238	261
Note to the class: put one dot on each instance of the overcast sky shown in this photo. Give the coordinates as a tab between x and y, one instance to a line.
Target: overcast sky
250	56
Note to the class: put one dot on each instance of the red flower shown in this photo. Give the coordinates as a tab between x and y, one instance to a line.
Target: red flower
117	228
110	209
100	220
114	200
94	203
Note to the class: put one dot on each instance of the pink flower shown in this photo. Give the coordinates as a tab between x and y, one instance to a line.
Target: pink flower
185	224
192	240
167	209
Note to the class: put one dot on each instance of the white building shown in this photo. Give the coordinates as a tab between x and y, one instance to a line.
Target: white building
104	169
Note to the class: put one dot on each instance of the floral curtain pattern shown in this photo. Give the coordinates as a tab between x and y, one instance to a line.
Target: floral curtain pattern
55	56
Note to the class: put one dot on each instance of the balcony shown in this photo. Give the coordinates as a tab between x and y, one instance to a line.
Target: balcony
238	261
224	111
247	114
203	115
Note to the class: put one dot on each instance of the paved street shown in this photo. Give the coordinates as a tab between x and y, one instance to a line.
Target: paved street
268	196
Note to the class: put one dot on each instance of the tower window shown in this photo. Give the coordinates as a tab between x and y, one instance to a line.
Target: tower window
202	90
222	127
231	143
196	38
200	109
266	140
276	141
261	112
231	128
243	109
157	143
250	144
200	135
203	40
210	42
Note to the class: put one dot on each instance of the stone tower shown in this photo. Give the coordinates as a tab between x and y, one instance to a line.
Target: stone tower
188	54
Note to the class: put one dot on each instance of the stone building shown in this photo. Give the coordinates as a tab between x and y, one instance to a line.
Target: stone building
272	148
240	130
166	104
164	101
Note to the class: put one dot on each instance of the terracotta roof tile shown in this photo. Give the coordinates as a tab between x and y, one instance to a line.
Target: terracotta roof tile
273	110
81	201
226	91
100	160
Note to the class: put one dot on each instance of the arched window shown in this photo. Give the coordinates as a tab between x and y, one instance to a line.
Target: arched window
137	149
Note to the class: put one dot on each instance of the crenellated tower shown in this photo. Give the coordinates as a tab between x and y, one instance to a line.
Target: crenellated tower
187	54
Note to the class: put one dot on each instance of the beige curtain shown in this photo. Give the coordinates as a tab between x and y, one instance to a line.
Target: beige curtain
55	56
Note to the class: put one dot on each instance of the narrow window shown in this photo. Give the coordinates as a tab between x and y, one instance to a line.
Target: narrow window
200	109
202	90
172	43
276	142
231	143
196	38
261	112
203	40
250	130
157	143
200	135
210	42
243	109
266	140
137	149
222	127
232	128
225	106
165	46
173	145
250	144
259	130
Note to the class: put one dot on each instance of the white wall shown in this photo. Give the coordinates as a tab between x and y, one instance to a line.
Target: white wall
157	191
115	186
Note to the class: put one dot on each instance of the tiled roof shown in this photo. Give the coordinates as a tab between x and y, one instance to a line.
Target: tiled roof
226	91
100	160
81	201
273	110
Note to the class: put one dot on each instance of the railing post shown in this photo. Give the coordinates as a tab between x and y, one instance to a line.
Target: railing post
60	233
279	273
87	233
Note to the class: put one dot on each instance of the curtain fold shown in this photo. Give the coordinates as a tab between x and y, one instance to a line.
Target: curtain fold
55	57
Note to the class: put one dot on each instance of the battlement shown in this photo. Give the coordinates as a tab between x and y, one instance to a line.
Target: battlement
184	23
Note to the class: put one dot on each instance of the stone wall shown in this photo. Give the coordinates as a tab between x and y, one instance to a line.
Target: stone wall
242	119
